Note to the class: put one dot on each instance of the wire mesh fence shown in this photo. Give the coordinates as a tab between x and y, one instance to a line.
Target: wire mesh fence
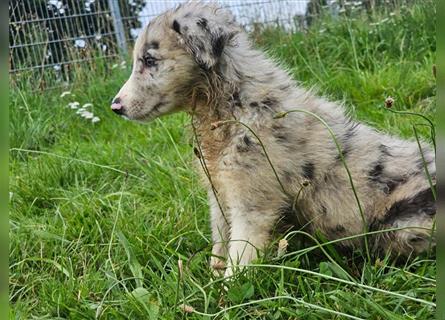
50	39
46	38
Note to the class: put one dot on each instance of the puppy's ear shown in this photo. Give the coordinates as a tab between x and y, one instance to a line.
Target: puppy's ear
205	39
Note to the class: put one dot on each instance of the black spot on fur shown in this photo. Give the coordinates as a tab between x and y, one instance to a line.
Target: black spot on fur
345	151
346	140
176	26
387	183
391	185
308	170
376	172
202	23
218	46
422	203
384	149
236	99
352	128
247	140
377	175
245	145
254	104
270	102
323	209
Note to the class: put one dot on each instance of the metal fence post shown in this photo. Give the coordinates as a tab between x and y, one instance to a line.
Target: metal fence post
118	26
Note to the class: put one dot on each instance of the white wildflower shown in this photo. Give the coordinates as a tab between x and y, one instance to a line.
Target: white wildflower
95	119
65	93
55	3
87	115
73	105
114	66
80	43
87	105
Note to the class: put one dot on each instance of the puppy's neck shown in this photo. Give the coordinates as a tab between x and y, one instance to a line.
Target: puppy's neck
246	82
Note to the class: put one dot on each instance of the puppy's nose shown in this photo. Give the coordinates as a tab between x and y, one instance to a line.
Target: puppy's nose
117	107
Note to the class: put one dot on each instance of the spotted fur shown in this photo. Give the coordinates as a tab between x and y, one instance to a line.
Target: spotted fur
207	67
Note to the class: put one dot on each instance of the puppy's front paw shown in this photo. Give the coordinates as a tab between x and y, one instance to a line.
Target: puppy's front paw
229	272
217	265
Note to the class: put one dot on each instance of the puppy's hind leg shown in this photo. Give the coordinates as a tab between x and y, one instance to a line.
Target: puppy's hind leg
418	237
416	216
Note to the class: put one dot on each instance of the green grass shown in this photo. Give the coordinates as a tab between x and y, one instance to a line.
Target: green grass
101	213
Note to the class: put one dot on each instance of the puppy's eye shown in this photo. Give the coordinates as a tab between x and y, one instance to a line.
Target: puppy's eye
149	61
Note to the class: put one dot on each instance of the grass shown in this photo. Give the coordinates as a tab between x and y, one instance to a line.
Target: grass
101	213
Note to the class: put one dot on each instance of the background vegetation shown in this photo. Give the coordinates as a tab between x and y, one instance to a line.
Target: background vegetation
100	213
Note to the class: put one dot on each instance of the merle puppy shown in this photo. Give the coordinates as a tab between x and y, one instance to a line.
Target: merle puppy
258	167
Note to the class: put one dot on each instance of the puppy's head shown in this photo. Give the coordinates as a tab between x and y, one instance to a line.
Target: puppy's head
171	56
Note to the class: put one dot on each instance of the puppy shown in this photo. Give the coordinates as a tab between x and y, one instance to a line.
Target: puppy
260	168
